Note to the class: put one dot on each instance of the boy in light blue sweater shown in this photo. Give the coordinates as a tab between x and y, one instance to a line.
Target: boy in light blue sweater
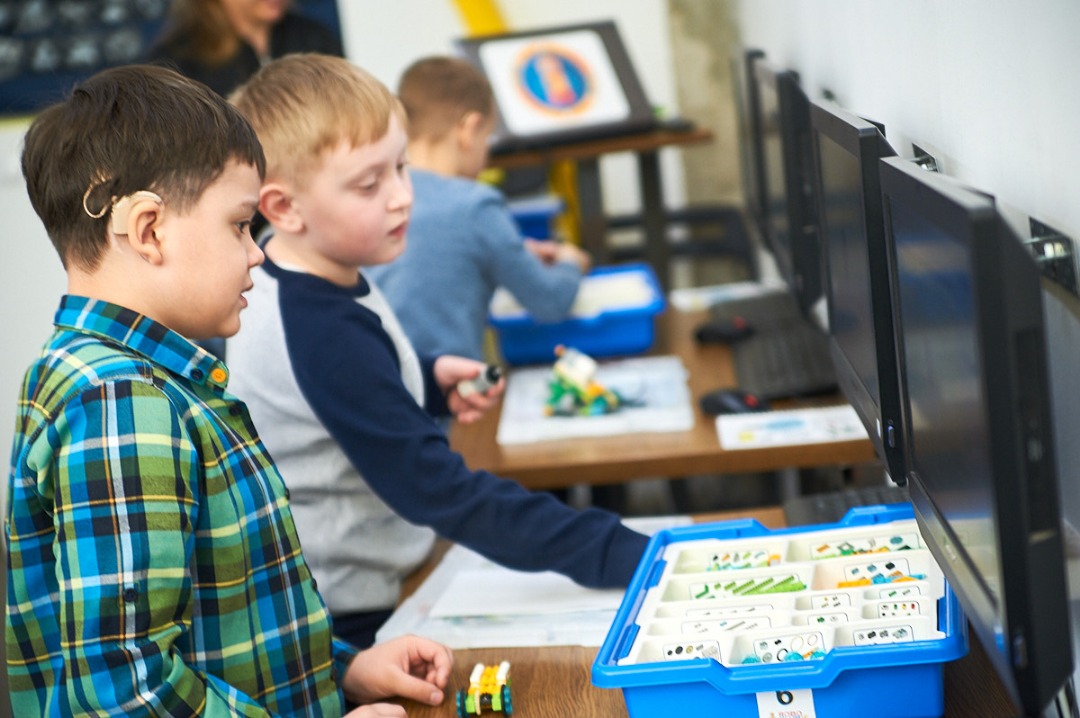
463	242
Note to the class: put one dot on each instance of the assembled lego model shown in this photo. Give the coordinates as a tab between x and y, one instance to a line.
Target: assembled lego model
573	391
489	690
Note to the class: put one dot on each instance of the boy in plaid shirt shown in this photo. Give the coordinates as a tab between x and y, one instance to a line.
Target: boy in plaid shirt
154	568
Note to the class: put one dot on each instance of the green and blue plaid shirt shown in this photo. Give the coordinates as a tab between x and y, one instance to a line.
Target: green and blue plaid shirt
154	568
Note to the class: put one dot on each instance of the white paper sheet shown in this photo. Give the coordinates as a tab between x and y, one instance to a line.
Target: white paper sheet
694	298
658	383
495	591
514	617
788	428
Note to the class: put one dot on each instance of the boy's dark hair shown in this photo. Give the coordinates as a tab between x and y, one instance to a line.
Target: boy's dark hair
131	128
438	91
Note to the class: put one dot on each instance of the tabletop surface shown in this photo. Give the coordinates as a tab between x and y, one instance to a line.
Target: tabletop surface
649	141
615	459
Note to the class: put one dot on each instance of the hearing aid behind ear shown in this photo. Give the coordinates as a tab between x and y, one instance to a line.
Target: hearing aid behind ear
121	209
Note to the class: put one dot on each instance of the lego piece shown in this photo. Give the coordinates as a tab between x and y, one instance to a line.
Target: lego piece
489	690
573	390
487	379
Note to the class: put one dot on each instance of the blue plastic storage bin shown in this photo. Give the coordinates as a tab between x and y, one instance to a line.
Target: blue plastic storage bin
610	332
535	215
896	680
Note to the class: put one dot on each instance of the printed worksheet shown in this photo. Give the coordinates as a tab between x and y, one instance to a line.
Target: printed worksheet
787	428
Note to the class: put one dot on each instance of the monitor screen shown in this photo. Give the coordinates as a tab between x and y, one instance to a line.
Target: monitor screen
560	84
783	132
977	432
856	274
742	65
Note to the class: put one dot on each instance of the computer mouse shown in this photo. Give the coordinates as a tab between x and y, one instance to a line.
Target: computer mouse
731	401
719	331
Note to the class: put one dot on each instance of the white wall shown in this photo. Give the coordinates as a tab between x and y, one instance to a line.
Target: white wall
384	38
31	282
991	85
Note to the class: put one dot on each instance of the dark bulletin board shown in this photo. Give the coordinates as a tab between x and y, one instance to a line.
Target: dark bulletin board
47	46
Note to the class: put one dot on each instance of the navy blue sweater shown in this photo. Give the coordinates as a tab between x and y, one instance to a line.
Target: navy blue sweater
326	371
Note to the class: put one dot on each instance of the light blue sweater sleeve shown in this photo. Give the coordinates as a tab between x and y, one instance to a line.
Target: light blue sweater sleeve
546	291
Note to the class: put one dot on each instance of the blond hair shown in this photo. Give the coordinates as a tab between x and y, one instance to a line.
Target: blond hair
305	104
438	91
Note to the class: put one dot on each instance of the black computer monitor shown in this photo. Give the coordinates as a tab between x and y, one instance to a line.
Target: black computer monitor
977	421
783	135
846	149
746	105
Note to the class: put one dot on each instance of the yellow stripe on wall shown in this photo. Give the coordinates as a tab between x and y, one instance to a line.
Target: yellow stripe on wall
481	17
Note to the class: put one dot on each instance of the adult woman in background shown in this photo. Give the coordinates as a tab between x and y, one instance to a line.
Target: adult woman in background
223	42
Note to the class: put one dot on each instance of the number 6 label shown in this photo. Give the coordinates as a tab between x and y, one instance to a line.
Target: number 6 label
786	704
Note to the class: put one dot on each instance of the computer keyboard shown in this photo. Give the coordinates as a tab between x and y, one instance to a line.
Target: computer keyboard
787	360
831	506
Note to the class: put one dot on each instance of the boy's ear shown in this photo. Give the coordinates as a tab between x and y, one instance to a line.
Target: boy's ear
141	223
276	205
468	128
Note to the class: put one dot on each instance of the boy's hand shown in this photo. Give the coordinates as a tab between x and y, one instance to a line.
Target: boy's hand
550	252
410	667
449	370
543	249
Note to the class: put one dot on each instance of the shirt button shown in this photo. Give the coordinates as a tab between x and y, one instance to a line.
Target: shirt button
234	411
197	374
314	583
218	374
288	495
130	594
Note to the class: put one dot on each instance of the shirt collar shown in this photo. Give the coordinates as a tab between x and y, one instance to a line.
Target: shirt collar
279	271
142	335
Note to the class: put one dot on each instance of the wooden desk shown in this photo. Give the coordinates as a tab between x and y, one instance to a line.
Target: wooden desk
556	681
646	146
615	459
